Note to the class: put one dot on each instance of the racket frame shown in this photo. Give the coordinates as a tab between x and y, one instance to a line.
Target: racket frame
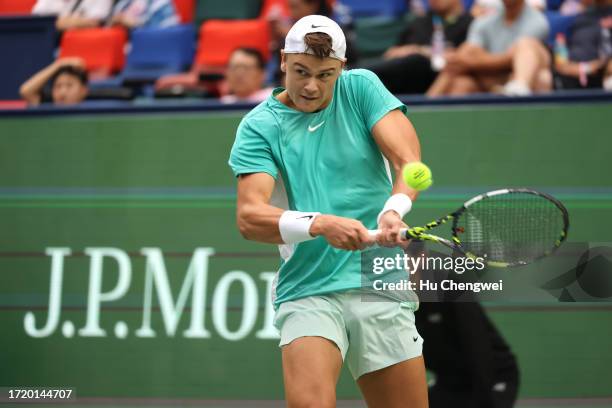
420	233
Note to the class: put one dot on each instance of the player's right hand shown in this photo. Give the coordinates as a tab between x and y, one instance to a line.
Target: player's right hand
390	224
341	232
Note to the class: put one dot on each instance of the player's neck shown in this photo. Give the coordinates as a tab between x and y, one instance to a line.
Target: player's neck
284	98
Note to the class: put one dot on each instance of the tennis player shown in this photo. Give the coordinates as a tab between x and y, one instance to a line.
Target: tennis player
313	171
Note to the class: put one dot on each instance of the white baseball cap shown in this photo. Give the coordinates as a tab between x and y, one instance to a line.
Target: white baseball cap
294	42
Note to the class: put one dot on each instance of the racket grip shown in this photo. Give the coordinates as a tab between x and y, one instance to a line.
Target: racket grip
374	233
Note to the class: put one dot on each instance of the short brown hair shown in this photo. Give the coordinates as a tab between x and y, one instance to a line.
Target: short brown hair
319	43
70	70
255	53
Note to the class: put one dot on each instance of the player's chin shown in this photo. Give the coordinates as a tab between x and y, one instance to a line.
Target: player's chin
309	104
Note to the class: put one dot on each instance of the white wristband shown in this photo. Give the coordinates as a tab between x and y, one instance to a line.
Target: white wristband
400	203
294	226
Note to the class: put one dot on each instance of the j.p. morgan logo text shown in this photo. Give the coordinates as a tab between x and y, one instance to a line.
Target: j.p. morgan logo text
156	283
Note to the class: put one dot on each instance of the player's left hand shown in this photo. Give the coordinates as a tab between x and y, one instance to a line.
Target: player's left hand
389	225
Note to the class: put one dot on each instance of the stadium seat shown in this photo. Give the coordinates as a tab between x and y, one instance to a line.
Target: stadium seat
467	4
185	10
101	48
218	39
376	34
369	8
227	10
269	5
558	24
553	4
186	84
159	51
16	7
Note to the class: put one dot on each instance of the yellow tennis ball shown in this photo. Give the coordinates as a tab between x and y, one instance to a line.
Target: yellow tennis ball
417	175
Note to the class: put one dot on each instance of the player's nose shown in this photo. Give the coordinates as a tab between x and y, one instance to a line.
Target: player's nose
310	87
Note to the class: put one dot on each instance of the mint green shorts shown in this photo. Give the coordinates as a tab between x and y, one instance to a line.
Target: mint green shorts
371	335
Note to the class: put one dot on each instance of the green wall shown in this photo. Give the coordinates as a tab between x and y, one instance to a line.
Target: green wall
161	181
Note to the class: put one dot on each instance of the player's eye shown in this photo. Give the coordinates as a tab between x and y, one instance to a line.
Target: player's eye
325	75
301	72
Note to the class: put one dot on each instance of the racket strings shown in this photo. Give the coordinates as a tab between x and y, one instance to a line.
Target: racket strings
511	228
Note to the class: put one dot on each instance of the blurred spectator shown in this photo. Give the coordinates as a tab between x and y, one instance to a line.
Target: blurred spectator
482	8
503	48
280	25
572	7
407	67
607	82
586	63
68	80
144	13
245	77
75	13
485	7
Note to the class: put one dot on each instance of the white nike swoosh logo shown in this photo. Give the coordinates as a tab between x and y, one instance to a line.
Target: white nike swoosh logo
313	128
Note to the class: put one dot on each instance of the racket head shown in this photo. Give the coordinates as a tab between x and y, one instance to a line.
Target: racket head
510	227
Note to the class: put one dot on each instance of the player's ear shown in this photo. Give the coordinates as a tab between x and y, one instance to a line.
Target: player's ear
283	63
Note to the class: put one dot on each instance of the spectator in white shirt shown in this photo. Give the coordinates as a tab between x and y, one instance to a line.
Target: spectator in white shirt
75	13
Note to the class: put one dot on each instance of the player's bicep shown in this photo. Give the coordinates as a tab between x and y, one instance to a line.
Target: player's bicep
256	218
397	139
254	189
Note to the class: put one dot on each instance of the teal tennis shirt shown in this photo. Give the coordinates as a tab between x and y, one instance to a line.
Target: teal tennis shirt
325	161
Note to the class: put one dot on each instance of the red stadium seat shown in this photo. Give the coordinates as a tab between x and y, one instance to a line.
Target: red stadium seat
13	104
219	38
101	48
272	5
16	6
185	10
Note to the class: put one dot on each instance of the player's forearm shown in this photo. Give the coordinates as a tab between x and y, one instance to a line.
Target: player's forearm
259	222
399	143
400	187
412	153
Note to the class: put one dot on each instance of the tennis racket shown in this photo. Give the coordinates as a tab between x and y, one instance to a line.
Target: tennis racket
507	227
